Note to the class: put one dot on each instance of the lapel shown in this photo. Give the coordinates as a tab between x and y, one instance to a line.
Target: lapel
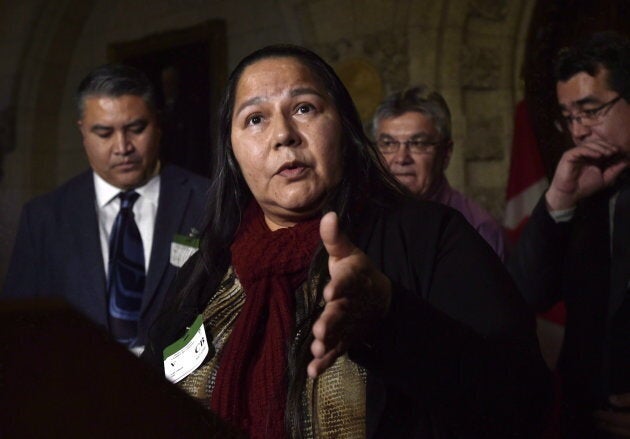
617	298
83	227
172	204
593	252
365	238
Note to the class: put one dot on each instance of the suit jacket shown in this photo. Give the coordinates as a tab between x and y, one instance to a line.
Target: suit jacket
58	252
570	261
457	355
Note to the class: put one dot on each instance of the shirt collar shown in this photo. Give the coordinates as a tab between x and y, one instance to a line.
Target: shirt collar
106	193
440	192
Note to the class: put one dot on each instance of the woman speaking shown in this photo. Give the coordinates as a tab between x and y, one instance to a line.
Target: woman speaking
333	303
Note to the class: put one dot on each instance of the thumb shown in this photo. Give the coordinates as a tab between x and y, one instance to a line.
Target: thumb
336	243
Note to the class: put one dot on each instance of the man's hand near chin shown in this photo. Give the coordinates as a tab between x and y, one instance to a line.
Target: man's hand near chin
583	171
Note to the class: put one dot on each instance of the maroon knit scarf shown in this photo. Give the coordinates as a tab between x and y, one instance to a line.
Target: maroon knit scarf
250	388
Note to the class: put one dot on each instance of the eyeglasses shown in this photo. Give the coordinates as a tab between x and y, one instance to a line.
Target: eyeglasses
391	146
589	117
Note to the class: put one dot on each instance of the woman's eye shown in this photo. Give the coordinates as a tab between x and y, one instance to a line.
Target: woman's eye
305	108
254	120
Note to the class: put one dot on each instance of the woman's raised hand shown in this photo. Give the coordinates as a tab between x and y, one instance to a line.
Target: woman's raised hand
357	295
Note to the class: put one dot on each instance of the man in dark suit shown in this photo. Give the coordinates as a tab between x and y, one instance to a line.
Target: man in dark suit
109	240
576	246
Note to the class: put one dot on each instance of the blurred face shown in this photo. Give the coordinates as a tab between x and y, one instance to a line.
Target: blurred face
420	172
286	136
121	139
583	92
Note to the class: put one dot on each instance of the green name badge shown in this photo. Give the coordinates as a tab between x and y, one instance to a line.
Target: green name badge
185	355
182	248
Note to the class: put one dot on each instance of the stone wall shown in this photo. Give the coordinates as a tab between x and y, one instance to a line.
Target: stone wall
470	50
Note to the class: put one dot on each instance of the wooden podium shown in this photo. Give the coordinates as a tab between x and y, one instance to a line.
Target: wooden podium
61	376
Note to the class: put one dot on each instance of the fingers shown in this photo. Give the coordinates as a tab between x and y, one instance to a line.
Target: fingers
590	152
582	171
327	328
319	365
330	328
614	422
602	145
356	295
329	340
600	154
599	146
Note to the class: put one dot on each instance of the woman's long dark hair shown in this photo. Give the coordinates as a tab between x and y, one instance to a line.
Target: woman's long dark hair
229	194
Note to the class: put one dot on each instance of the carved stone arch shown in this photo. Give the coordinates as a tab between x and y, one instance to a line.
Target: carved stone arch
367	47
39	98
469	50
450	38
483	42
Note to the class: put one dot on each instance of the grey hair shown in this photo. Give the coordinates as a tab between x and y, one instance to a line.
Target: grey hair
420	99
116	80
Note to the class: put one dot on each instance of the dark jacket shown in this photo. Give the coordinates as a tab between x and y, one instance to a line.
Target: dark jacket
457	355
58	251
570	261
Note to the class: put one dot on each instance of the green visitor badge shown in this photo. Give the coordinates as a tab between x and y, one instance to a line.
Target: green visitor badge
186	354
182	248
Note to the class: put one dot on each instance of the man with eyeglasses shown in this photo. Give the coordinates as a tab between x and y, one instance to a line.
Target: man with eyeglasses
412	129
576	246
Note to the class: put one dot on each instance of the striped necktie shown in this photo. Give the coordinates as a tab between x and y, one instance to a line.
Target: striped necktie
126	279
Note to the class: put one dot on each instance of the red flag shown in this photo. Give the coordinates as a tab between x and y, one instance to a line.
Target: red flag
526	184
527	179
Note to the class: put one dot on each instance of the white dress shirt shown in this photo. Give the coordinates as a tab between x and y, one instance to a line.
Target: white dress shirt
144	210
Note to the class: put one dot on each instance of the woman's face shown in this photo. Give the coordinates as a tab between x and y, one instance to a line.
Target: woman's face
286	136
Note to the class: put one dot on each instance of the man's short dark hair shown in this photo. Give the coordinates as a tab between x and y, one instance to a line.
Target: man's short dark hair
608	50
420	99
116	80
